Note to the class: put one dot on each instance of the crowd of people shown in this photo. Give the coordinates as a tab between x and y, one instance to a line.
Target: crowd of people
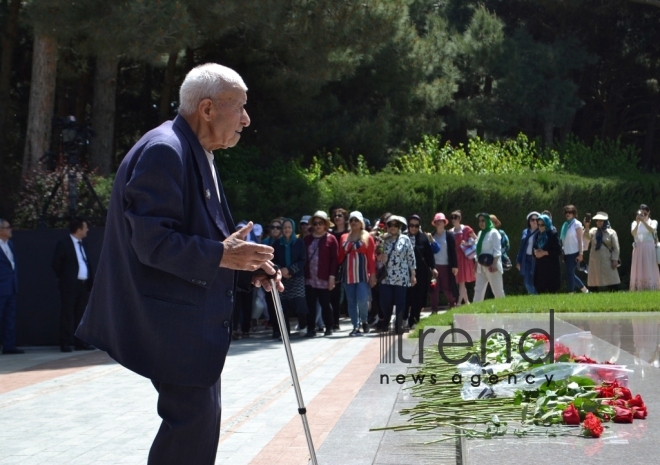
392	267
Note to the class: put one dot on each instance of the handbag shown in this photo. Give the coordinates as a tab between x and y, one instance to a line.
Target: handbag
381	274
486	259
506	263
618	262
469	248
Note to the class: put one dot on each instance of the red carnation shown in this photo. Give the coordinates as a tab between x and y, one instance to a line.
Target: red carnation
639	412
623	393
622	415
584	359
539	337
561	349
592	425
571	415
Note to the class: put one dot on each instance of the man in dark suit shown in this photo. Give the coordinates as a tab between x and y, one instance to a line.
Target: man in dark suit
8	290
75	274
164	287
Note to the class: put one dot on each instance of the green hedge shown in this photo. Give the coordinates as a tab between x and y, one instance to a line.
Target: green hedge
509	196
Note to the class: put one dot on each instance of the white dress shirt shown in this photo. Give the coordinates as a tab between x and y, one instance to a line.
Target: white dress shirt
82	263
4	245
209	155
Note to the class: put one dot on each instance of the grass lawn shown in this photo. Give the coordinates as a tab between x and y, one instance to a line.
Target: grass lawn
572	303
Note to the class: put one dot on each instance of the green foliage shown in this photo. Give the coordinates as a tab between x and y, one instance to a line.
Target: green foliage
38	185
479	157
603	158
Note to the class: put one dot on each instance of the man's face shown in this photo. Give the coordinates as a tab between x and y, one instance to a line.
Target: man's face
5	231
83	230
227	117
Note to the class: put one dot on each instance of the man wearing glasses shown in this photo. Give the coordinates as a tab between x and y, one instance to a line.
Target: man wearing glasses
8	290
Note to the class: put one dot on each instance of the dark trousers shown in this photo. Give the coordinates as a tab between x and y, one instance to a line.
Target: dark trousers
242	310
417	297
375	310
323	296
74	301
8	320
391	296
444	284
572	280
190	429
336	303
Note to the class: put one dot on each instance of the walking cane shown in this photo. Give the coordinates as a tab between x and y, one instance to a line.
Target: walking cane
292	366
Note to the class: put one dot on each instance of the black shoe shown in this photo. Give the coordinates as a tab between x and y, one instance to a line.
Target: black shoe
310	334
336	328
84	347
365	328
65	349
12	351
328	333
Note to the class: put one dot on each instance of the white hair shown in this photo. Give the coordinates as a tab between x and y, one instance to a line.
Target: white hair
206	81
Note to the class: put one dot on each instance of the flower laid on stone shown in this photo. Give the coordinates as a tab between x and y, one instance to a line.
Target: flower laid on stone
539	397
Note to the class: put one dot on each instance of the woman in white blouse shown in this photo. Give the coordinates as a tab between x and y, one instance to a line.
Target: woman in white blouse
644	274
489	242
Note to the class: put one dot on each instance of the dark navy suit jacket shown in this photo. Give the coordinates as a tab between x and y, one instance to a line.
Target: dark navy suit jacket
161	305
8	276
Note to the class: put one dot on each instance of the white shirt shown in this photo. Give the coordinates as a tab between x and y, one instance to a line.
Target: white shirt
82	264
4	245
442	257
492	244
570	242
209	155
643	234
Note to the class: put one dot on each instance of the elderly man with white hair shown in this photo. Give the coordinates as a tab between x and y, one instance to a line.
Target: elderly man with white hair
166	281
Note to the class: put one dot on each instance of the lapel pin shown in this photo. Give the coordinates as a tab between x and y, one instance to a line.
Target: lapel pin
207	193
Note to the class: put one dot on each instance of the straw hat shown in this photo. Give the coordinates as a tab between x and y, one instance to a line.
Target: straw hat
323	216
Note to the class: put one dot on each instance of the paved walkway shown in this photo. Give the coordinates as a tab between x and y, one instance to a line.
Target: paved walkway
83	408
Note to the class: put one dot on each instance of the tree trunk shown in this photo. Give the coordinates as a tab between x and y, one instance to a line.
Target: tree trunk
8	43
566	129
103	113
42	99
82	98
168	83
647	153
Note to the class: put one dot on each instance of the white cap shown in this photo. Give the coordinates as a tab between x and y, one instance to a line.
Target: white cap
358	216
257	229
305	219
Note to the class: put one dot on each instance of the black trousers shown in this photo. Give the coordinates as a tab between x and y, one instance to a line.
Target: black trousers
74	301
190	429
416	301
323	296
336	303
242	310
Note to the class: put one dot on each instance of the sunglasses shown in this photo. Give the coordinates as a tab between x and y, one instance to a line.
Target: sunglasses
455	217
318	223
569	213
393	225
338	215
411	225
275	227
353	220
533	219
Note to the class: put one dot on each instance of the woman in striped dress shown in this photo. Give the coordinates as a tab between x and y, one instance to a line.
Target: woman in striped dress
357	253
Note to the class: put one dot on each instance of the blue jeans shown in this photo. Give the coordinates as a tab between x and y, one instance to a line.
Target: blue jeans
8	320
357	297
527	270
391	296
572	281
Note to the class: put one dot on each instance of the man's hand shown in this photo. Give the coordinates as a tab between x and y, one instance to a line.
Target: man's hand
259	280
245	256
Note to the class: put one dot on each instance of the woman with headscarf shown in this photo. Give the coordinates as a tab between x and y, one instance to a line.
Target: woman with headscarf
603	254
339	217
547	252
425	260
357	253
525	259
463	234
489	260
290	256
398	258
